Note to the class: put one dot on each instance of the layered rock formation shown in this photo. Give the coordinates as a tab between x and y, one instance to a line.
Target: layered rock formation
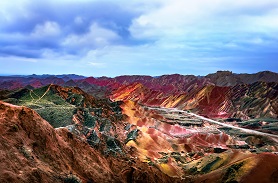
200	151
240	101
33	151
128	128
219	95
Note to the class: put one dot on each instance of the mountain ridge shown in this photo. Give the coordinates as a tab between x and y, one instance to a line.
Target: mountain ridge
131	141
33	151
6	82
222	94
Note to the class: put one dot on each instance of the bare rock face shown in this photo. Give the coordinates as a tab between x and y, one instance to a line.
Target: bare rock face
134	135
201	153
33	151
158	150
219	95
156	146
227	78
224	78
243	101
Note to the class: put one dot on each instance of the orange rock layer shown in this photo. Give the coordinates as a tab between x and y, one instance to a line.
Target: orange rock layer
241	101
159	143
33	151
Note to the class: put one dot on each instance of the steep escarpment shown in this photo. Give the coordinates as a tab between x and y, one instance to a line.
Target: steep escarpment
33	151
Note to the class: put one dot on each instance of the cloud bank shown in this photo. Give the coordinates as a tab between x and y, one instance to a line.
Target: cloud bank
139	37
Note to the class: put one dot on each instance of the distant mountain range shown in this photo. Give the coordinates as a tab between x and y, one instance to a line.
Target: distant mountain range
220	78
219	95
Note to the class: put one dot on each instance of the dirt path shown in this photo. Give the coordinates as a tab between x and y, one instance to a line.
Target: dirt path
58	107
219	123
44	93
31	95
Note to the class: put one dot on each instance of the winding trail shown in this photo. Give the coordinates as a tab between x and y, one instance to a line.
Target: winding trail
219	123
35	93
58	107
31	95
44	93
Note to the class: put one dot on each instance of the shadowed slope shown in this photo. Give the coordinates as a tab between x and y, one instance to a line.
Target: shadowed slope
33	151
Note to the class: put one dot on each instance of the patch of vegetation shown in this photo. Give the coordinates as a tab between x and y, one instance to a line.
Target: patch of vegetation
132	135
24	151
18	93
14	128
76	99
208	166
12	101
231	173
193	170
97	111
247	102
105	125
49	105
177	156
225	128
219	150
116	107
149	161
113	146
89	120
72	179
175	147
93	139
164	159
57	116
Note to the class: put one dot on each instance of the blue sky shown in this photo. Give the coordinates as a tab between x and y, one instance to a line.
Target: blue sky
150	37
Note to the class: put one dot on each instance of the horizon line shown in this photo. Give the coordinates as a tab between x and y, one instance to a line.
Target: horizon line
65	74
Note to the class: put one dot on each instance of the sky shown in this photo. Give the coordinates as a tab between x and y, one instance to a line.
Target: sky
146	37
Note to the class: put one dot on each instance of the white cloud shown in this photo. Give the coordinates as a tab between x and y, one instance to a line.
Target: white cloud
10	10
96	37
97	64
48	29
171	18
184	19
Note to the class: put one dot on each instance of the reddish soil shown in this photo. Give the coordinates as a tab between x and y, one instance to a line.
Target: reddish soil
32	151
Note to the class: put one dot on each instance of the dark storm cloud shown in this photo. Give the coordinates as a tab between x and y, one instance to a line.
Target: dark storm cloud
70	18
19	52
107	14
